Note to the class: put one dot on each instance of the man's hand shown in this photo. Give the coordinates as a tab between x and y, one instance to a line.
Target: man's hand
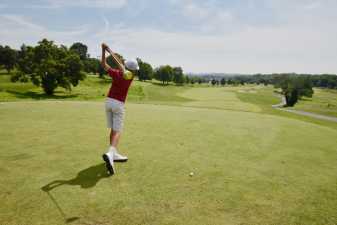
104	46
103	60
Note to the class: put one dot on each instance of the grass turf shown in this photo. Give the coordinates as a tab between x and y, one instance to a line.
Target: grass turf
252	164
250	167
93	89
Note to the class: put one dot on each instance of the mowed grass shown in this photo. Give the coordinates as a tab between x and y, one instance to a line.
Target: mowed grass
249	167
252	164
217	98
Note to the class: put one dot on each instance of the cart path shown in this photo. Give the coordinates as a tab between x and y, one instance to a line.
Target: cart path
299	112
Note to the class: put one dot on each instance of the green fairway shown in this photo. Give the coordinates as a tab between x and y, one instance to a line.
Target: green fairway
251	165
218	98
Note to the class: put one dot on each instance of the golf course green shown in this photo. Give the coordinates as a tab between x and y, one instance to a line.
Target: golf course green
251	164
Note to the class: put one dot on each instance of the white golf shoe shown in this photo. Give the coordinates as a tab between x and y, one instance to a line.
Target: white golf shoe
116	156
120	158
109	162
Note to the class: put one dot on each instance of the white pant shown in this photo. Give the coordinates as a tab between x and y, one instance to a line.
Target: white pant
114	114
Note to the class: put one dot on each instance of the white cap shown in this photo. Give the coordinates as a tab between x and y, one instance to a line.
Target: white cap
131	64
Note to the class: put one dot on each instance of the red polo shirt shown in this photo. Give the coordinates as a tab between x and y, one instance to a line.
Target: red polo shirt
119	87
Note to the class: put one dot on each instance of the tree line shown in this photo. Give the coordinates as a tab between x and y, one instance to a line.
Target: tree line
317	80
50	66
293	86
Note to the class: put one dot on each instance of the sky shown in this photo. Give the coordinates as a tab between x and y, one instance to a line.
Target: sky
224	36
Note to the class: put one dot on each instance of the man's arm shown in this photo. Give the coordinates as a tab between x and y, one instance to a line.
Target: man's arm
104	64
116	58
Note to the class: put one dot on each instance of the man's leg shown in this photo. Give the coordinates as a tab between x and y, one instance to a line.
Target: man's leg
108	157
114	138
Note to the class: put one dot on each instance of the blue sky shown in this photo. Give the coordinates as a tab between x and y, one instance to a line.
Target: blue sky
233	36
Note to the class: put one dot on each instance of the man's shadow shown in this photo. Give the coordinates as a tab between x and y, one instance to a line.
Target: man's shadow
86	178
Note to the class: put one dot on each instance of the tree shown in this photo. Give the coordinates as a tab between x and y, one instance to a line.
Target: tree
145	70
91	65
294	88
101	71
192	80
164	74
187	79
80	49
223	81
178	76
7	58
49	66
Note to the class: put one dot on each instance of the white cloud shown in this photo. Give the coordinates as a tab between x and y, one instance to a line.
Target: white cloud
250	51
303	40
17	29
206	15
21	22
108	4
194	11
312	5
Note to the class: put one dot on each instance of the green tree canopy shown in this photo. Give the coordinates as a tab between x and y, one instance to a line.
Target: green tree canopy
294	88
164	74
178	76
80	49
8	57
49	66
91	65
145	70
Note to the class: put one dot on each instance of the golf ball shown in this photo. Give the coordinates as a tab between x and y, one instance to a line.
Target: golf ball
191	174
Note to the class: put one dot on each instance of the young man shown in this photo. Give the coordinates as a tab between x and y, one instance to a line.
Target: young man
114	104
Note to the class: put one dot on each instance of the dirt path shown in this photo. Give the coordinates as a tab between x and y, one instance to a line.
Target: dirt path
299	112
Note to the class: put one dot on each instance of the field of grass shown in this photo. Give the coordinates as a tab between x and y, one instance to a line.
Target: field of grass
251	164
93	89
257	98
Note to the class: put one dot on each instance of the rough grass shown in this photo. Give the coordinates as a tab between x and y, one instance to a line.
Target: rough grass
323	102
264	97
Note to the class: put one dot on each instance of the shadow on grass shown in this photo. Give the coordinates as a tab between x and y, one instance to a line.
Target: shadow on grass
39	96
86	178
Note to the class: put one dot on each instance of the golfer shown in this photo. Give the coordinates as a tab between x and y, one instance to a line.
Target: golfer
114	104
